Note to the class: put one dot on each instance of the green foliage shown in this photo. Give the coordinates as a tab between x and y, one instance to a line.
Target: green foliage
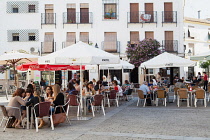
205	65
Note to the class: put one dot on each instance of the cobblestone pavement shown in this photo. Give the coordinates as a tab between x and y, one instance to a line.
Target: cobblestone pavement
129	122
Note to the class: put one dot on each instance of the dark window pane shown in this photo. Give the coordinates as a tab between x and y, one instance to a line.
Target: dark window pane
15	10
31	8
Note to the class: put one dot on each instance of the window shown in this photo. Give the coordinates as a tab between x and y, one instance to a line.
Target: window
84	37
31	37
15	37
31	8
134	37
15	10
149	34
110	11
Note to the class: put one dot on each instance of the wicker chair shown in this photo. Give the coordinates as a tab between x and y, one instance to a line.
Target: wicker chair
182	95
175	93
161	95
200	95
141	97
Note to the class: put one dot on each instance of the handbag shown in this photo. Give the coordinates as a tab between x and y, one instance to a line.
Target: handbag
59	118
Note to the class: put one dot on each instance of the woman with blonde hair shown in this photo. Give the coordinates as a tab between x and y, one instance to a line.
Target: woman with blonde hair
58	97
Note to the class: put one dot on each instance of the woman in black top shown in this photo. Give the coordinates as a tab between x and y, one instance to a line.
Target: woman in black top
36	99
58	98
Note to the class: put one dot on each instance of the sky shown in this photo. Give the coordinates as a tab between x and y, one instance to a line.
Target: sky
193	6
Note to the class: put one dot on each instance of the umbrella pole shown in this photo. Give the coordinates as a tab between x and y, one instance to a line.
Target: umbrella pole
98	71
81	85
108	77
15	78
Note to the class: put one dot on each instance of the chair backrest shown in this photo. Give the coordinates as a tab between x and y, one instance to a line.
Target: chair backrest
194	87
175	90
4	110
75	92
200	94
113	94
73	100
183	93
98	99
130	91
140	94
44	108
160	93
209	88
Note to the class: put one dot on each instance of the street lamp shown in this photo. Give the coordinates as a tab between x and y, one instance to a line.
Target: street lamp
96	46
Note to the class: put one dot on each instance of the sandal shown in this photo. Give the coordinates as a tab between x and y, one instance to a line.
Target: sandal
18	127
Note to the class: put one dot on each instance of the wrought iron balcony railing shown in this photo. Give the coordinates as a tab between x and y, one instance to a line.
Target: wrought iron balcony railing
110	46
78	18
66	44
48	18
169	16
48	47
170	46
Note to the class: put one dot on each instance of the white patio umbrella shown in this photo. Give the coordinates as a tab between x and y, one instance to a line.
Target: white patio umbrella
79	54
16	57
202	56
167	60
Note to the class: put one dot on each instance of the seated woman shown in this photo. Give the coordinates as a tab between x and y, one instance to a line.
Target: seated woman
49	94
77	86
70	89
26	97
126	87
195	81
36	99
88	90
58	98
16	101
117	88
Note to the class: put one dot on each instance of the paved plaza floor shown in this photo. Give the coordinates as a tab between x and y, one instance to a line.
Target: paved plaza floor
128	122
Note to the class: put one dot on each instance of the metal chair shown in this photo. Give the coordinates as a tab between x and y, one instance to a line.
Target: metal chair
73	102
182	94
129	94
161	95
112	96
44	108
6	117
62	106
97	101
141	97
200	95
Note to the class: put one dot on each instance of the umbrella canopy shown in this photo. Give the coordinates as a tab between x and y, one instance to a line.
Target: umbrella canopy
167	60
80	53
46	67
16	57
121	65
202	56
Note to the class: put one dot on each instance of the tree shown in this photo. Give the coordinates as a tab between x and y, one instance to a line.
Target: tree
205	65
143	51
5	67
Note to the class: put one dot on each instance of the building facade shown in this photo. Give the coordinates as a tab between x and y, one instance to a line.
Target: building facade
42	27
196	40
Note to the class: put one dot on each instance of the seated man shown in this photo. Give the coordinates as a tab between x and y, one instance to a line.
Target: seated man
146	92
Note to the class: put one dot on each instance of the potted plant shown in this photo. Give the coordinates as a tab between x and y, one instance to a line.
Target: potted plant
107	17
70	21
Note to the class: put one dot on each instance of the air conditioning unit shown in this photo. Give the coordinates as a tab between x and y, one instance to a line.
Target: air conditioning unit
33	50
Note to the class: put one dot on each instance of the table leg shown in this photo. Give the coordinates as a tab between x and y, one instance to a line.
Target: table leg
27	113
191	99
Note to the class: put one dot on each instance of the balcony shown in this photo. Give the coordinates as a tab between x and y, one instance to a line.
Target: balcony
142	17
170	46
169	17
66	44
111	47
78	18
48	47
48	19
